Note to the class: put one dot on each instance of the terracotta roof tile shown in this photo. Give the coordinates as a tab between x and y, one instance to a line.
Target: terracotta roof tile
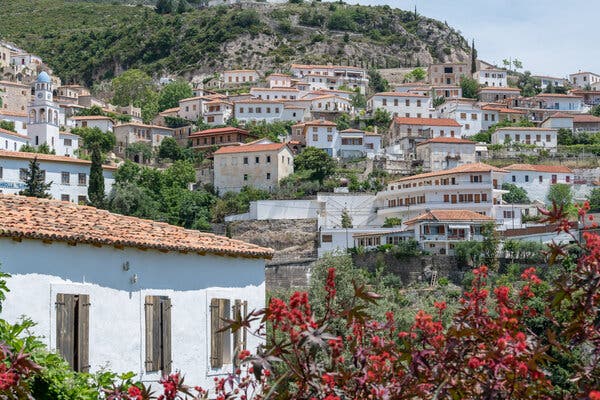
11	133
450	215
320	122
525	129
49	157
539	168
227	129
426	121
399	94
585	118
251	148
499	89
13	113
466	168
447	140
43	219
91	118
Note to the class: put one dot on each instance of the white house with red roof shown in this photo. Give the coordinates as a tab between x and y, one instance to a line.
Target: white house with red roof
105	124
405	133
561	102
495	94
537	179
12	141
320	134
236	77
218	137
559	120
401	104
277	93
542	138
466	112
279	80
583	79
136	295
259	165
491	77
445	152
331	76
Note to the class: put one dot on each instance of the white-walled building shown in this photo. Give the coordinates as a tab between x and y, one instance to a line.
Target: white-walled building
358	143
257	165
278	93
44	116
130	133
332	76
69	176
400	104
137	295
12	141
582	79
558	120
407	132
258	110
464	111
550	80
493	77
536	180
279	80
19	119
322	135
239	77
445	152
217	112
561	102
497	94
105	124
544	138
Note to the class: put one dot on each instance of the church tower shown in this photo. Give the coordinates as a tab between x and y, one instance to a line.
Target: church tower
43	126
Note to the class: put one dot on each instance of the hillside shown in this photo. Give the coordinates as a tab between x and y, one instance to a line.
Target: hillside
88	41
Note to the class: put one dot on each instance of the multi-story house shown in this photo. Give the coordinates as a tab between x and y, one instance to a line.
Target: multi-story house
332	76
258	110
586	123
239	77
407	132
193	108
502	113
129	133
279	80
105	124
583	79
19	119
561	102
536	180
464	111
322	135
590	97
438	231
497	94
546	81
542	138
217	112
559	120
70	93
12	141
330	104
218	137
445	152
358	143
69	176
447	73
400	104
476	187
278	93
446	91
5	52
258	165
493	77
14	97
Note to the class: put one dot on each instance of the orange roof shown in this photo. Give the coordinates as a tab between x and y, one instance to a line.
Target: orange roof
525	129
555	95
499	89
585	118
426	121
170	110
502	110
462	169
539	168
7	132
13	113
351	130
311	66
399	94
320	122
43	219
49	157
560	115
251	148
450	140
450	215
239	70
227	129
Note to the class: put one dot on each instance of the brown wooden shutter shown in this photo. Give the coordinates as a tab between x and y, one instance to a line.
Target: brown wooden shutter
151	362
216	345
65	306
237	335
83	333
245	330
225	314
166	335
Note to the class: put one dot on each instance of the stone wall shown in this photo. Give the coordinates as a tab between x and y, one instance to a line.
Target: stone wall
294	276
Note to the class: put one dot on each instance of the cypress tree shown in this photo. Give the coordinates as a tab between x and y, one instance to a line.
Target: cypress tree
34	182
96	187
473	57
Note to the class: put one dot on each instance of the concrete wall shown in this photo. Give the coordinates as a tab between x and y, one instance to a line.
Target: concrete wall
117	323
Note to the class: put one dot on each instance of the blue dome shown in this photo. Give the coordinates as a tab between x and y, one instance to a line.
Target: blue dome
43	77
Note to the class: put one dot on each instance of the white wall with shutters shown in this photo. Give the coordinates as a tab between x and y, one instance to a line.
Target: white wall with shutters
116	314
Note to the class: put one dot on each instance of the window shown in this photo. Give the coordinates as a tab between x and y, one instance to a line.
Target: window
407	102
395	102
158	333
23	174
567	179
329	138
418	103
268	159
1	172
241	110
65	197
257	160
246	160
65	178
514	178
327	238
245	177
463	115
526	178
548	138
474	117
81	200
315	138
268	175
72	329
467	126
538	138
68	142
384	102
541	178
220	342
82	179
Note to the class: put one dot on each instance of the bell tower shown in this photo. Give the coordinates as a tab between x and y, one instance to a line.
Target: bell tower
43	126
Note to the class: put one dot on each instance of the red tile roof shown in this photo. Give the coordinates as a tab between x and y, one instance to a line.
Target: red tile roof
49	158
426	121
525	129
250	148
585	118
499	89
43	219
450	215
558	95
13	113
539	168
11	133
560	115
444	139
466	168
91	118
227	129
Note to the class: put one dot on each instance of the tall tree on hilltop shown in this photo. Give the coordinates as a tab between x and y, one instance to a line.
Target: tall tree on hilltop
96	142
164	6
34	182
473	57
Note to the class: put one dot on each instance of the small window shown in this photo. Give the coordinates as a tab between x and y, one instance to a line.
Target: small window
72	329
68	142
158	333
245	177
246	160
82	200
327	238
268	159
65	178
82	179
268	175
257	160
65	197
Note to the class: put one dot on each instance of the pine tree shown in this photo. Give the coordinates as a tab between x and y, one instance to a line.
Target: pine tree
164	6
346	219
473	57
34	182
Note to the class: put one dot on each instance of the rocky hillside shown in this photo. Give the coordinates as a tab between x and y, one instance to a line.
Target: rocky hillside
86	42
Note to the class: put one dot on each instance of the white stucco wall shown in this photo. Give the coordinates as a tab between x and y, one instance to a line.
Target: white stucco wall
117	323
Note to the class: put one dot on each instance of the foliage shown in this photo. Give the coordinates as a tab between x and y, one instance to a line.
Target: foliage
143	149
317	161
594	200
468	252
390	222
529	85
236	203
132	87
382	118
416	75
171	93
489	245
515	195
377	83
482	137
169	148
35	185
7	125
346	219
524	250
596	111
164	6
469	87
358	100
343	122
271	131
560	194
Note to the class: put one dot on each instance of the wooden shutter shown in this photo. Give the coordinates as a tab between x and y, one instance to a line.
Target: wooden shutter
166	335
237	335
65	323
83	333
216	346
151	362
245	330
225	314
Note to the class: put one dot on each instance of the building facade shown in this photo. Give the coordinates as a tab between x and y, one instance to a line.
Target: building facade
445	152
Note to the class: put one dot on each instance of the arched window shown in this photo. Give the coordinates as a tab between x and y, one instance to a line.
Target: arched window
32	117
55	118
42	117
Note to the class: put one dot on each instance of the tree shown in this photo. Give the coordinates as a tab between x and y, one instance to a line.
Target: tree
382	117
489	246
529	85
35	185
596	111
560	194
132	87
343	122
169	149
517	64
417	74
182	7
171	94
7	126
594	200
515	195
473	57
358	100
317	161
96	142
376	81
565	137
346	219
469	87
164	6
141	152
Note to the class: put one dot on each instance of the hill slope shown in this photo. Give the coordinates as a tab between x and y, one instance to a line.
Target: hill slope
86	42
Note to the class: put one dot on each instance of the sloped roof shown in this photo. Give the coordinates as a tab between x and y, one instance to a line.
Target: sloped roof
450	215
539	168
426	121
250	148
465	168
11	133
449	140
585	118
43	219
49	157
